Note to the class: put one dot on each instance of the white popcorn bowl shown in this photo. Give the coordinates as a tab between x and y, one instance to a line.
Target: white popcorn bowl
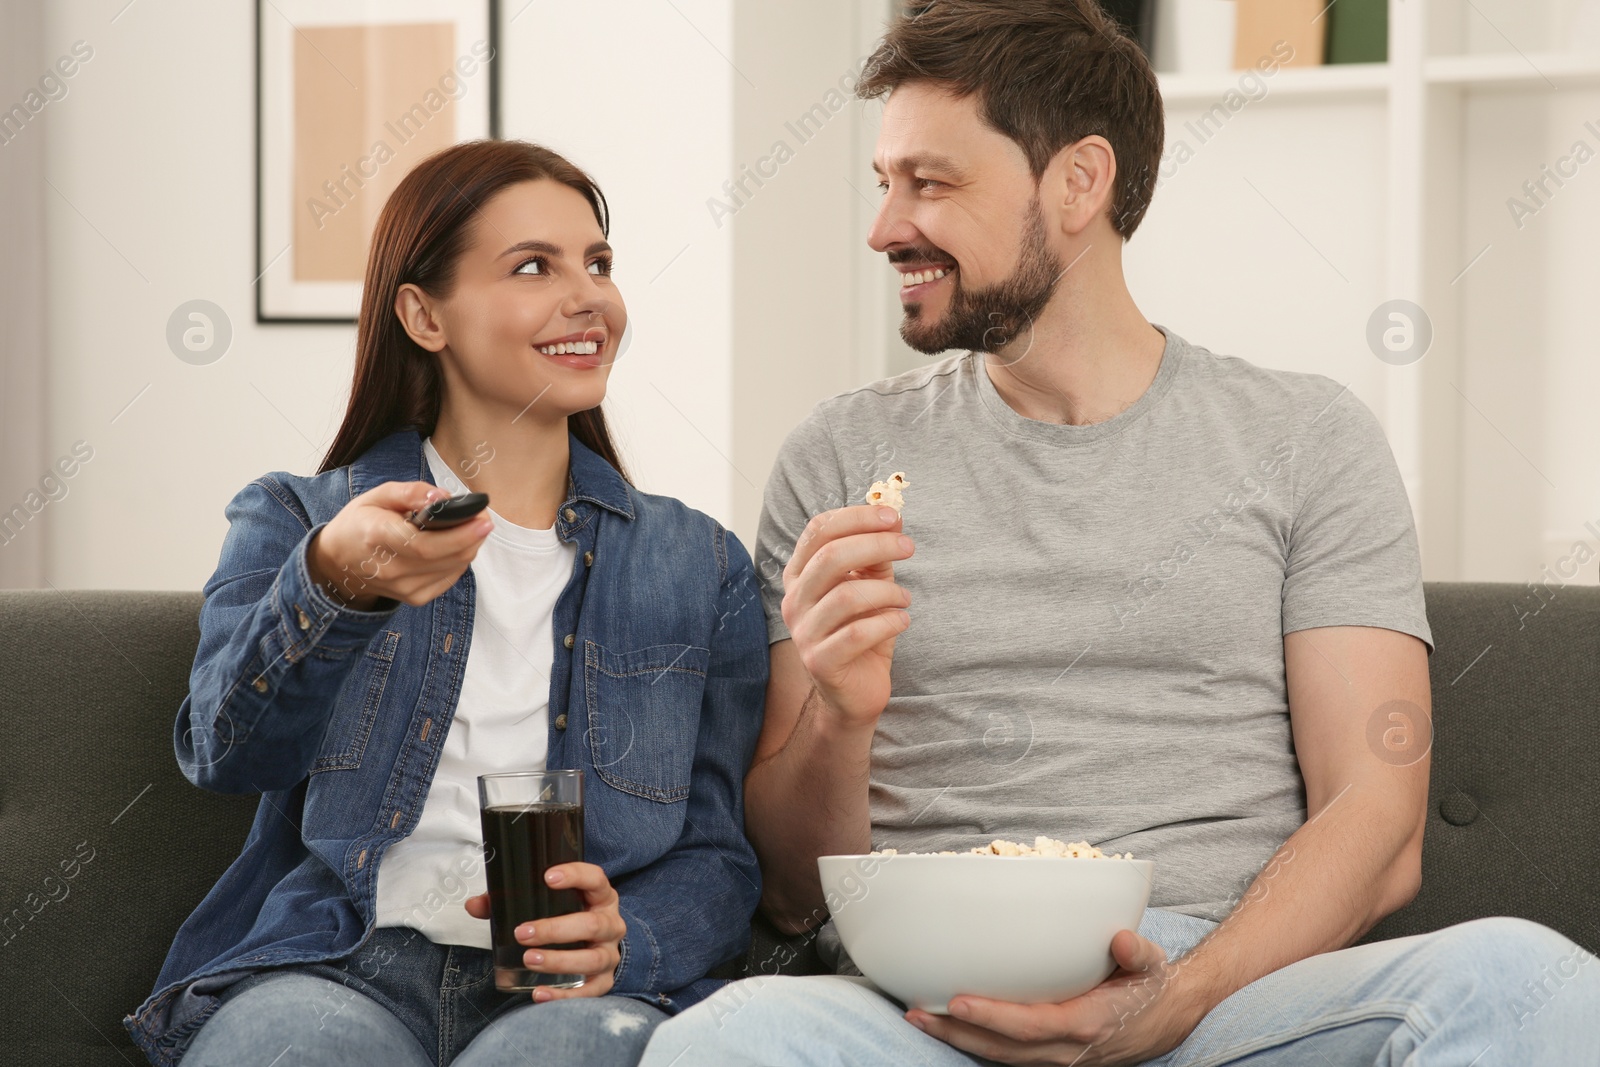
1024	929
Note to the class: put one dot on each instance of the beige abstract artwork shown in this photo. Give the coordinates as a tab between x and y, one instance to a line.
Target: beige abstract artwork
367	108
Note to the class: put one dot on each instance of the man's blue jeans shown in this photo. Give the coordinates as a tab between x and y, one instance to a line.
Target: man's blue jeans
1494	992
403	1001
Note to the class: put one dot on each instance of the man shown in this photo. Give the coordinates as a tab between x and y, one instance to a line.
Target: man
1164	600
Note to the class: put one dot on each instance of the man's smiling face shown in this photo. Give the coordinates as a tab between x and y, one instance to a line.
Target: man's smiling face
962	223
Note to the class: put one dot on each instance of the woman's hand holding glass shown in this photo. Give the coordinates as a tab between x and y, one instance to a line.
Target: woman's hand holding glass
599	928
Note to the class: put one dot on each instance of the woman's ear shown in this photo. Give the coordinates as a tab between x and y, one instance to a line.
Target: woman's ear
419	317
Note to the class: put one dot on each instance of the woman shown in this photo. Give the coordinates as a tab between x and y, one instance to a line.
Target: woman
359	674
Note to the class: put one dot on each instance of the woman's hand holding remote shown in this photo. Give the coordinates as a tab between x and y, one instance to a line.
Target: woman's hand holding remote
369	552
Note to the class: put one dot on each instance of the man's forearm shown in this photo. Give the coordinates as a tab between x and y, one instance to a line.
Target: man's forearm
1329	883
806	800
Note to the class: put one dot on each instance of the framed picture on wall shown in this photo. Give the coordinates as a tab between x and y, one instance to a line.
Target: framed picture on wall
350	95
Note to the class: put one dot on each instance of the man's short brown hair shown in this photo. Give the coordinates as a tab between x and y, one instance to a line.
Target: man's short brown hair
1047	73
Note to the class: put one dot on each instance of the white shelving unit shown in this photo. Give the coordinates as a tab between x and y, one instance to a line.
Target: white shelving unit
1343	80
1556	70
1564	69
1466	85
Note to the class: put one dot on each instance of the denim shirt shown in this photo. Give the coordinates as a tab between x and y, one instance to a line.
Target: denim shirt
336	717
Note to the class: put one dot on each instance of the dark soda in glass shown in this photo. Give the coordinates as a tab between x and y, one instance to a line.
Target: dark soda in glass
521	841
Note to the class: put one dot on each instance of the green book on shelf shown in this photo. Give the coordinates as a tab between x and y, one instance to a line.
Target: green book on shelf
1358	31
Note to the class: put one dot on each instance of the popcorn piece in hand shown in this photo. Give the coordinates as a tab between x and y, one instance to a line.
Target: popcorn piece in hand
890	492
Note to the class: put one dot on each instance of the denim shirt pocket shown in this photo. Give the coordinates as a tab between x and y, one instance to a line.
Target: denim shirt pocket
357	707
644	711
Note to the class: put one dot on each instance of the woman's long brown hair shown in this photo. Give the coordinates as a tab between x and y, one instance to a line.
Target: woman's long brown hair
420	236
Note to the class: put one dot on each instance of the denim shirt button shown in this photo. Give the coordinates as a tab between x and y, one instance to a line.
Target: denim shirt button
561	721
588	559
260	685
302	618
570	515
569	640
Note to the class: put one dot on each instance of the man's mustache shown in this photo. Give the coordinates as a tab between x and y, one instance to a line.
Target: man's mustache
920	255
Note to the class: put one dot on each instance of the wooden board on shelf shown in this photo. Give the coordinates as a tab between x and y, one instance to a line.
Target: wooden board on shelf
1264	25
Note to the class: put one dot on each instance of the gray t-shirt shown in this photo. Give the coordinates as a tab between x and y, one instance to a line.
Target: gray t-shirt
1098	612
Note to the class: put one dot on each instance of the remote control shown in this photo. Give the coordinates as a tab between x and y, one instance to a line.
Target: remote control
453	511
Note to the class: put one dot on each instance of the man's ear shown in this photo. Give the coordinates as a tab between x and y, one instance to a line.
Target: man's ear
1082	181
419	317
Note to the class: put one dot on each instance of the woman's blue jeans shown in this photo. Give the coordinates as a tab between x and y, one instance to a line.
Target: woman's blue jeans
403	1001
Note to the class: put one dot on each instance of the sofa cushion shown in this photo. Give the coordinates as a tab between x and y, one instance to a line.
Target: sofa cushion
107	846
1514	797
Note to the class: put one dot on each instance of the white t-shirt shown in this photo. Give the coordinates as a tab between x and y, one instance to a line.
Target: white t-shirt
501	724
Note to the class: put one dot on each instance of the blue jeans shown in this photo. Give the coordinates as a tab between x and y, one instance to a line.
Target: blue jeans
403	1001
1497	992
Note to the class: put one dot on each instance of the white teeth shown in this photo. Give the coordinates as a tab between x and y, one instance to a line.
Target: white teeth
919	277
571	348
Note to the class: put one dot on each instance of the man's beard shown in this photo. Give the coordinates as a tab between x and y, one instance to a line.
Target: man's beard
989	319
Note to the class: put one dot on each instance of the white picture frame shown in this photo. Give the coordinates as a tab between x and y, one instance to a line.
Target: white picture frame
358	91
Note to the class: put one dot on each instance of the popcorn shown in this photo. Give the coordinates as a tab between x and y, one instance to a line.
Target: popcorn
890	492
1044	847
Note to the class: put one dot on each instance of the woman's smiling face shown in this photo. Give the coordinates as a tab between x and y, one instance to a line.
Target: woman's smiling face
534	320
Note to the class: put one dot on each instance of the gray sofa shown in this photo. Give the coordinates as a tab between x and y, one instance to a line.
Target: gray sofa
106	847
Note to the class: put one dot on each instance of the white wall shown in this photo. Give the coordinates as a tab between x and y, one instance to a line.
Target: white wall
641	96
804	322
1530	359
1528	368
152	153
1247	249
24	468
151	164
